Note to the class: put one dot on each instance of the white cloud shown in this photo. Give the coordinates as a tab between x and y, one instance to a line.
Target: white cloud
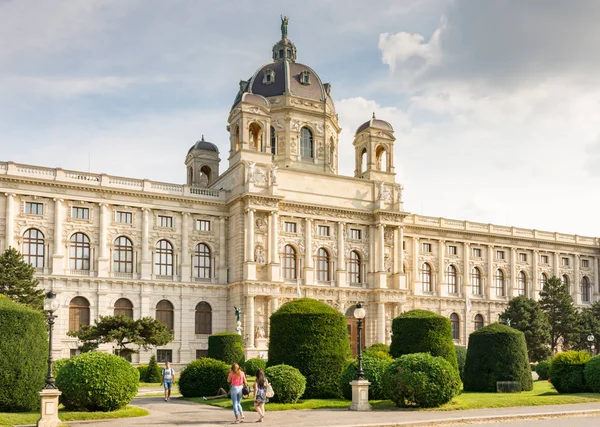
401	47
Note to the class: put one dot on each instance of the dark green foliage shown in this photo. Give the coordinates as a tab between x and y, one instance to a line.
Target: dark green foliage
129	335
57	365
253	365
421	379
226	346
312	337
142	369
588	322
374	369
557	303
153	372
17	281
204	377
591	374
461	358
97	381
496	353
287	382
567	371
378	347
526	315
423	331
543	369
23	356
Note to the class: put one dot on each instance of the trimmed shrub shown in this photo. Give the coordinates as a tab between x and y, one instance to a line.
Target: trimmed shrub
312	337
226	346
543	369
142	369
496	353
23	356
591	373
567	371
378	347
253	365
153	371
421	379
374	369
461	357
58	364
287	382
204	377
97	381
423	331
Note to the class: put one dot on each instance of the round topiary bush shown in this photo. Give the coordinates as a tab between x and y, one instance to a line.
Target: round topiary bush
591	374
226	346
153	372
97	381
253	365
381	351
421	379
287	382
374	369
312	337
423	331
543	369
496	353
204	377
23	356
567	371
461	357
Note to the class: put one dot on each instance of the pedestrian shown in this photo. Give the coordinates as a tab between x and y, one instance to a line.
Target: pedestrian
260	394
168	376
237	379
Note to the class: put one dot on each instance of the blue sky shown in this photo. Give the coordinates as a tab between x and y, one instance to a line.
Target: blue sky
495	104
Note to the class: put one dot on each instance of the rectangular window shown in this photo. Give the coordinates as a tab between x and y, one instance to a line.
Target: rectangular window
163	356
544	259
427	247
403	246
124	217
165	221
523	257
80	213
201	353
499	254
452	250
290	227
323	230
477	252
565	262
203	225
33	208
585	263
355	234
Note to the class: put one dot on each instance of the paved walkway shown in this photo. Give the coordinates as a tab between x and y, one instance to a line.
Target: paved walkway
178	412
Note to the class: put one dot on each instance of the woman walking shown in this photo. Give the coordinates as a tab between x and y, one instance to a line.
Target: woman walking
260	394
237	379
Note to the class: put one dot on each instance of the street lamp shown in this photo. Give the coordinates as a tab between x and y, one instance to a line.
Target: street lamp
590	340
359	314
50	306
360	386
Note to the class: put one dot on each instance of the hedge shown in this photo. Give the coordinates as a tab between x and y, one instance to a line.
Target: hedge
204	377
23	356
423	331
567	371
373	368
543	369
421	379
97	381
381	351
253	365
287	382
312	337
226	346
496	353
461	357
591	374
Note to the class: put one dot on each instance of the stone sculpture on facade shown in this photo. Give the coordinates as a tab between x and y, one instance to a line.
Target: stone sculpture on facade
238	322
284	24
274	169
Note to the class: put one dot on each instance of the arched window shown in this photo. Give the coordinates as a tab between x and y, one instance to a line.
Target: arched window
500	283
273	141
451	279
79	313
124	307
289	262
205	170
255	136
381	155
585	289
426	278
476	281
165	314
543	280
565	282
203	318
522	283
79	252
363	160
190	175
33	248
306	143
455	324
163	258
123	255
354	275
478	322
323	265
236	138
202	261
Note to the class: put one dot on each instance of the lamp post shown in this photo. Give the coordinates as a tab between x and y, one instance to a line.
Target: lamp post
360	386
590	340
359	314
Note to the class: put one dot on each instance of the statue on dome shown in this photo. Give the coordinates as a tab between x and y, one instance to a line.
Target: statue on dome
284	24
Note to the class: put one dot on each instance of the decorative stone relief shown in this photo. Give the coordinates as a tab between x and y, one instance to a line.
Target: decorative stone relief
259	254
261	222
388	236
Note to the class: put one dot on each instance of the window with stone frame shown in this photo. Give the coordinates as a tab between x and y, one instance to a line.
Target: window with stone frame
79	313
123	255
455	325
426	279
123	307
476	284
34	208
522	283
124	217
77	212
289	227
165	314
33	248
452	250
451	279
163	356
165	221
268	77
79	252
354	267
355	234
500	283
323	266
163	258
202	262
203	320
478	322
306	143
289	262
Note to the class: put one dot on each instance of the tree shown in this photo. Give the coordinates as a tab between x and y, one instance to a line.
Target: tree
589	324
562	316
17	281
525	315
128	334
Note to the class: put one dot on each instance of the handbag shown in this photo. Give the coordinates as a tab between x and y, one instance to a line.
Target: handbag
245	390
270	393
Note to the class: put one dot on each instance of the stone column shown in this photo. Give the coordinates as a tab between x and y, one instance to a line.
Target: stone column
512	281
10	220
249	330
401	249
535	280
309	272
186	261
146	264
103	258
58	265
249	264
274	263
341	276
576	281
466	271
596	281
222	273
396	260
381	322
380	273
416	280
442	289
555	264
490	275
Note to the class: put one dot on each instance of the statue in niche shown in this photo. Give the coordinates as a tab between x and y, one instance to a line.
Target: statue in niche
274	169
260	332
251	171
381	190
238	321
203	180
399	189
259	255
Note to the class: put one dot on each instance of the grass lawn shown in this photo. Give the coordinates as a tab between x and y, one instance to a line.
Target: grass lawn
12	419
150	385
542	394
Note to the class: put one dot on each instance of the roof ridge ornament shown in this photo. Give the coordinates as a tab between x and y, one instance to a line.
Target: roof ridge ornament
373	114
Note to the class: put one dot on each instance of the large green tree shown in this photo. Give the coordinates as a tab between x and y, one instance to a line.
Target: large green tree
129	335
526	315
17	281
589	325
557	303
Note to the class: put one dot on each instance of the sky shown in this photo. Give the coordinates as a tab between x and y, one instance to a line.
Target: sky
495	104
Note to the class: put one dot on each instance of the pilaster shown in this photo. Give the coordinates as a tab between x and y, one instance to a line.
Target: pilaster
222	272
309	272
442	287
186	267
10	220
249	264
249	321
103	258
58	264
341	273
146	264
274	267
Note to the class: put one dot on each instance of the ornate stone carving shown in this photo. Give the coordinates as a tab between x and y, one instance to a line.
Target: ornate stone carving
261	222
259	254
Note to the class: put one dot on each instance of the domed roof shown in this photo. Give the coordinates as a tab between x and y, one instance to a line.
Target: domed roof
374	123
204	145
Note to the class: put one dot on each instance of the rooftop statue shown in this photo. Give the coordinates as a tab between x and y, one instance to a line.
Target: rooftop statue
284	24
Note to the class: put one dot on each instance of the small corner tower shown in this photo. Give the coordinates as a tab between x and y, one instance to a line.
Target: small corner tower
202	164
374	151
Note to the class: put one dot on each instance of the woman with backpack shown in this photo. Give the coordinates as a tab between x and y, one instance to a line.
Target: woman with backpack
260	394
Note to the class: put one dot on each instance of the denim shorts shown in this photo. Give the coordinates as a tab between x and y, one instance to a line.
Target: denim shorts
168	384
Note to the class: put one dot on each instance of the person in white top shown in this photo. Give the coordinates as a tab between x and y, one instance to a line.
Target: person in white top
168	376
